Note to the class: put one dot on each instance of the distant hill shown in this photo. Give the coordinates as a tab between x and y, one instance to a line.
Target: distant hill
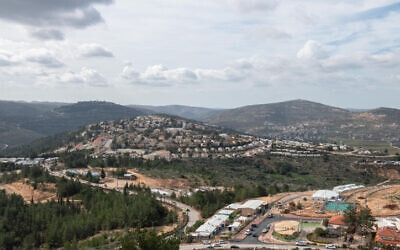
21	123
188	112
310	121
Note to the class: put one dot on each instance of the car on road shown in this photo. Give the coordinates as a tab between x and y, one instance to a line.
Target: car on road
301	243
216	245
255	235
222	242
206	242
270	215
331	246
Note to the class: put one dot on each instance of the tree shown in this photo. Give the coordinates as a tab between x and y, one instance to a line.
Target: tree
103	174
143	240
350	219
366	220
361	221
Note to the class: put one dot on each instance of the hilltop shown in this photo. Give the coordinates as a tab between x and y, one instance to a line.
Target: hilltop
310	121
188	112
22	123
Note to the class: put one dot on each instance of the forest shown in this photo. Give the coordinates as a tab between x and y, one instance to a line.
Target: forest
300	173
80	211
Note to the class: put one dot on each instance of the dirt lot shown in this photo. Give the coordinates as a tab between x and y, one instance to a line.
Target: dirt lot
44	192
171	185
385	202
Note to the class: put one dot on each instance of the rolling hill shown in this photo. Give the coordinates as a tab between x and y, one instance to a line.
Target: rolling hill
188	112
310	121
22	123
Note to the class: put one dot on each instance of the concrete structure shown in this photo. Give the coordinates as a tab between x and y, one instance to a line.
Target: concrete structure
235	226
347	187
211	227
251	207
325	195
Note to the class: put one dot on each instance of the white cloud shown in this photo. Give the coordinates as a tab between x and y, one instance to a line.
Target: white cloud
253	5
158	75
312	50
88	76
94	50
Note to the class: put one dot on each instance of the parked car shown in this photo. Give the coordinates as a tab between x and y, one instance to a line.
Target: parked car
206	242
331	246
270	215
234	246
222	242
253	225
216	245
301	243
264	231
255	235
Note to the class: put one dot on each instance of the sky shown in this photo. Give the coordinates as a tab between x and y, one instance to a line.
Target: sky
210	53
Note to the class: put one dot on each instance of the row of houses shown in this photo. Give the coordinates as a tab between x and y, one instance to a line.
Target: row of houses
387	229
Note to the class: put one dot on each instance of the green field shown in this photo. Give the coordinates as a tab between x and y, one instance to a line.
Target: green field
310	224
372	145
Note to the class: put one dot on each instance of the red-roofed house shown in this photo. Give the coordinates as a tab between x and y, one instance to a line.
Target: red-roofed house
337	221
388	236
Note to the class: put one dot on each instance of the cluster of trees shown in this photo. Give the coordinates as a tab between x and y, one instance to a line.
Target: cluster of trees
8	166
208	202
75	159
360	221
54	223
36	175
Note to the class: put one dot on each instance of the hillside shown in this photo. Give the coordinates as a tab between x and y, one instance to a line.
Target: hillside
22	123
188	112
310	121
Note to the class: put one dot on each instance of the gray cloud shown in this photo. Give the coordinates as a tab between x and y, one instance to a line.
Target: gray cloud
73	13
43	57
48	34
94	50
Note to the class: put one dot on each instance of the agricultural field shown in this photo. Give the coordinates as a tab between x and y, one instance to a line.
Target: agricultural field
373	145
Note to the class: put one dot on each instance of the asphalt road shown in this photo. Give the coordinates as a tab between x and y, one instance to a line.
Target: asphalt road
192	213
258	230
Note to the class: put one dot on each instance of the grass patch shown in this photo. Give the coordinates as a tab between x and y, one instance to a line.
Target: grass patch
310	224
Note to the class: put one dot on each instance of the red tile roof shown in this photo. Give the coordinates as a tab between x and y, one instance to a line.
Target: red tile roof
388	235
337	220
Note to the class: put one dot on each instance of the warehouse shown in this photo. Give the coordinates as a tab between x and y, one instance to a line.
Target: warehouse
325	195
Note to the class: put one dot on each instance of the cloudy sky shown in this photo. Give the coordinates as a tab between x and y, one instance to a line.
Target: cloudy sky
212	53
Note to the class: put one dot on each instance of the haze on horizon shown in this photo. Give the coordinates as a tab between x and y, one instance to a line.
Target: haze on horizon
223	54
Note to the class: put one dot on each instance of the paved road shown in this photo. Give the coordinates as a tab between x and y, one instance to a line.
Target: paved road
192	213
258	230
241	245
